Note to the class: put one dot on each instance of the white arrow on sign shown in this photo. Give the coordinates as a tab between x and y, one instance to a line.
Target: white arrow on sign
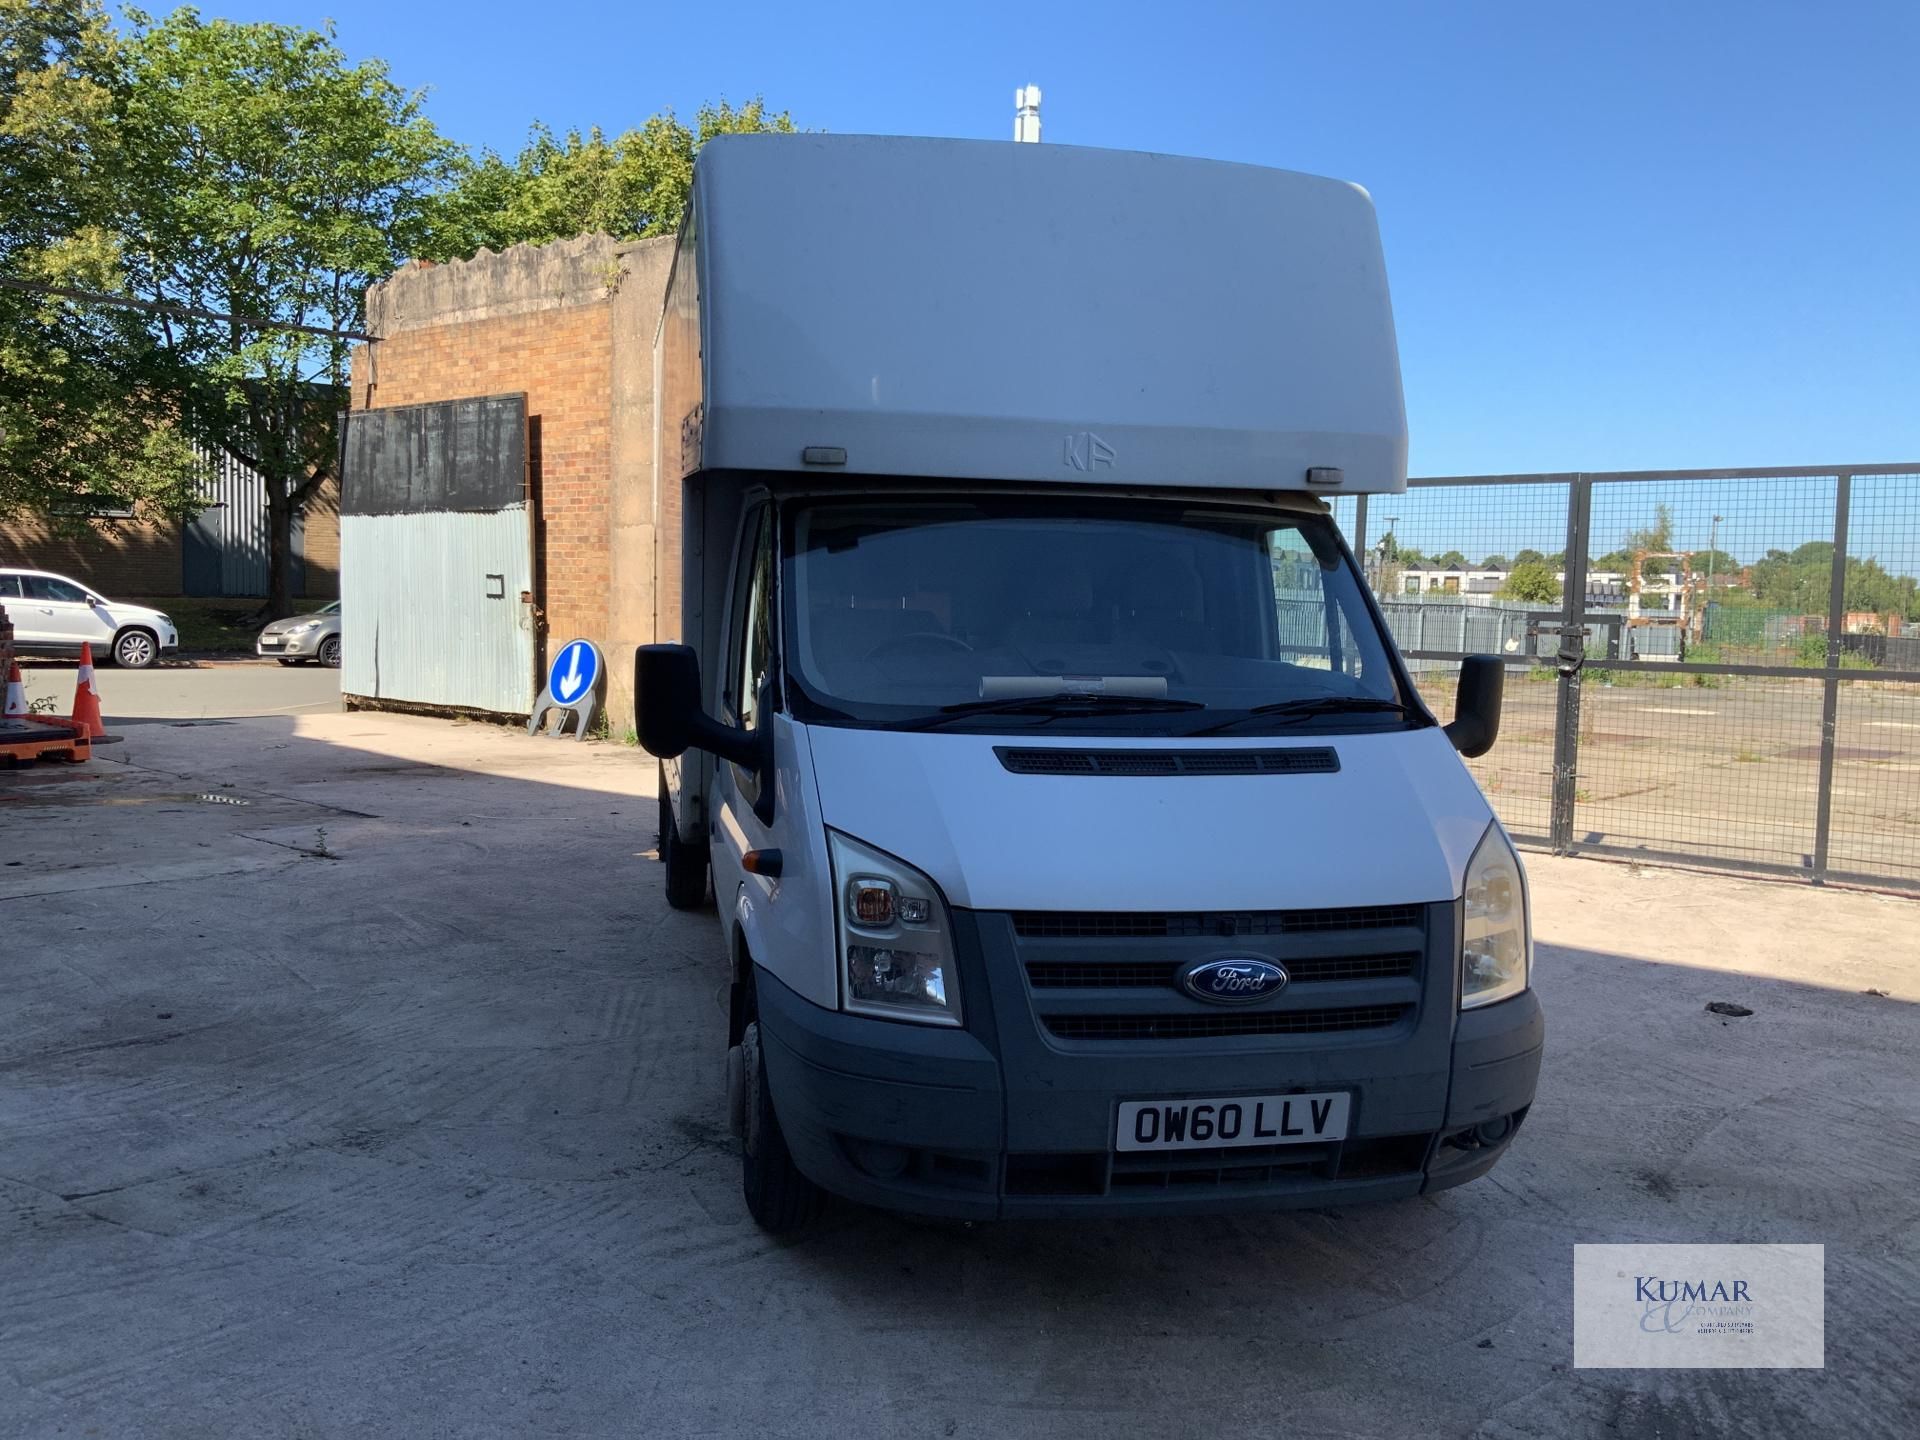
570	682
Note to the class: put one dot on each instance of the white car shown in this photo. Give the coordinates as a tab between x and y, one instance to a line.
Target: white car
53	615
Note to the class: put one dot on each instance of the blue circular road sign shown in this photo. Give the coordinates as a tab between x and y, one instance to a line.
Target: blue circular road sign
574	669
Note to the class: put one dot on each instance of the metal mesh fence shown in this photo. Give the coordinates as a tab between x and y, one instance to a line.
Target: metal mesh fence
1729	774
1717	667
1517	774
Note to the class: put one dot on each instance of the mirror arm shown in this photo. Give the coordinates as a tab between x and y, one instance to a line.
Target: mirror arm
729	742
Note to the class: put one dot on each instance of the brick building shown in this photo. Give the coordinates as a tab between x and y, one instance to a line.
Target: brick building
570	326
219	552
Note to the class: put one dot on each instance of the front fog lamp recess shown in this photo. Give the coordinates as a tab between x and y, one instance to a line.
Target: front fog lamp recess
1495	946
896	955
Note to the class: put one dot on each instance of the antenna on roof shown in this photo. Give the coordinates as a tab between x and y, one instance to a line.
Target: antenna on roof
1026	114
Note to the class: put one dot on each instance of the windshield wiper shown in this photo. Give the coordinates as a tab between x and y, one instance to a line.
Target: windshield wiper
1066	702
1306	707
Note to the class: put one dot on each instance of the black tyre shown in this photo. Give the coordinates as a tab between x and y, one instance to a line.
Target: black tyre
330	652
781	1200
135	649
686	864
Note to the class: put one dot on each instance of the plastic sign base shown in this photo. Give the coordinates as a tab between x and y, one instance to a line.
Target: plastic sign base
575	680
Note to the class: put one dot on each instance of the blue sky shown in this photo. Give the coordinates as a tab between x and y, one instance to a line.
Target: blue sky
1621	235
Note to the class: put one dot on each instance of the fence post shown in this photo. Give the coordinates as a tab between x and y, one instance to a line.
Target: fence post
1830	682
1573	654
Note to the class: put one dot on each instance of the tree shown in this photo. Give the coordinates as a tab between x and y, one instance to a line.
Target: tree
634	185
1531	581
1451	560
1494	562
80	419
270	180
1657	537
1529	557
1802	581
1721	564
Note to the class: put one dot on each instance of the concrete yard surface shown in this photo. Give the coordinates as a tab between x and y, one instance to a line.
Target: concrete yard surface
356	1080
189	690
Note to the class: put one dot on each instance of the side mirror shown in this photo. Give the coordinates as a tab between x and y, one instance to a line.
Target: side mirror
1476	708
668	713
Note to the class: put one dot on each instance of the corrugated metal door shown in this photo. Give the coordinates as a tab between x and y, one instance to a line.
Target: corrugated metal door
224	548
436	556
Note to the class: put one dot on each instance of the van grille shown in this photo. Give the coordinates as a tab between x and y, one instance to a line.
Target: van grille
1297	760
1124	924
1153	975
1207	1027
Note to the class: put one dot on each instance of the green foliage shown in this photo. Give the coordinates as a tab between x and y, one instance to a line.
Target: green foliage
1724	568
1812	652
268	178
251	170
633	185
1657	536
1448	560
1494	562
1801	581
79	415
1531	581
1529	557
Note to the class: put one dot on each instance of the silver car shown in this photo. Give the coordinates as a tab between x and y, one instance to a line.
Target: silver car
300	638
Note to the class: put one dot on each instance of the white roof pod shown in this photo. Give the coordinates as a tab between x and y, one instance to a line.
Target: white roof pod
972	309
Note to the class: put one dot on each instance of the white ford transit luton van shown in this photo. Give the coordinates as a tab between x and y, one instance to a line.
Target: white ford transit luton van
1080	843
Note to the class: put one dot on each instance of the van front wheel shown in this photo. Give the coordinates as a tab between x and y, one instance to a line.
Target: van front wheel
781	1200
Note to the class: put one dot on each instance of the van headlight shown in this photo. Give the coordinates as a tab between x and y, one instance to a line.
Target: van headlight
896	950
1496	950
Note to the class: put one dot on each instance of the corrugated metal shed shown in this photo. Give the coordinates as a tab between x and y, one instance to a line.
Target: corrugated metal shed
224	547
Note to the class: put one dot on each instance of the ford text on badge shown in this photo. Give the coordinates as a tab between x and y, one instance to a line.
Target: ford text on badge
1239	980
1237	1120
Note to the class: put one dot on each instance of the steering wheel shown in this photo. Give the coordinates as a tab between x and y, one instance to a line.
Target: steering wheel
916	639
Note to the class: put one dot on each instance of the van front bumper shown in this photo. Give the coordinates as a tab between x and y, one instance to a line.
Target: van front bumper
932	1121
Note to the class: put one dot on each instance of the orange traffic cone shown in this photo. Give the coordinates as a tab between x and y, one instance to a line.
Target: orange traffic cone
86	696
16	691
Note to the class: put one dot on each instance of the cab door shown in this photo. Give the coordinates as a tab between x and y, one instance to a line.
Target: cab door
746	700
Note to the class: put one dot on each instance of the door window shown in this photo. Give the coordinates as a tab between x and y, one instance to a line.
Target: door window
753	645
9	587
45	587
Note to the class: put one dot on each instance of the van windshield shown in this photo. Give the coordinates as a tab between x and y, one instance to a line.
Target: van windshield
1090	617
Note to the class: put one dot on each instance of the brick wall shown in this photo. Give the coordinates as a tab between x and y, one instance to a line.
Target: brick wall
122	559
569	325
560	359
321	545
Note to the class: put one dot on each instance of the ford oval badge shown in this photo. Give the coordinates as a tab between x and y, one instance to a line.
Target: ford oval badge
1237	980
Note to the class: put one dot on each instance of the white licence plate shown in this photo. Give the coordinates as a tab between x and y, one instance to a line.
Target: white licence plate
1233	1121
